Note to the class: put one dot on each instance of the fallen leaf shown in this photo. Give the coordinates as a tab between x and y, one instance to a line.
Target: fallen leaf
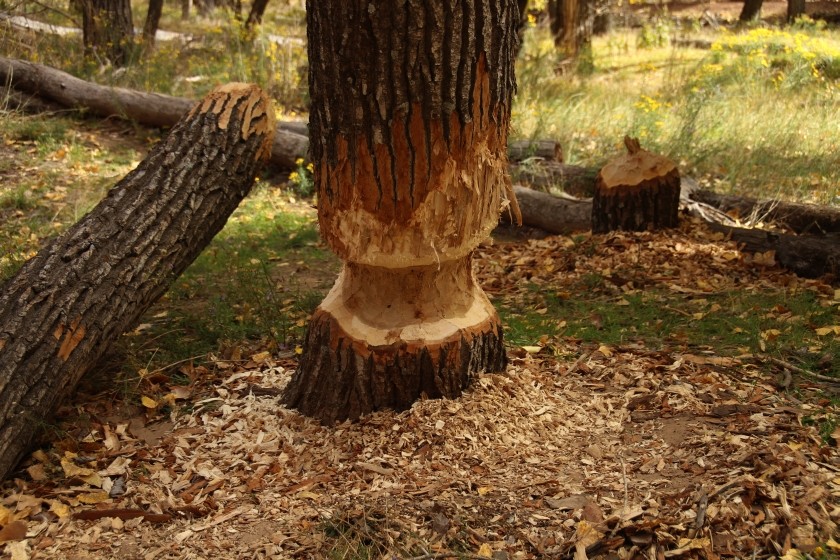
93	497
148	402
485	551
18	550
14	531
823	331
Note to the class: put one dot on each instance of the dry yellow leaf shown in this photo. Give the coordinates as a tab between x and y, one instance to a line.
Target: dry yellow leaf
71	469
61	509
148	402
484	490
823	331
93	497
532	349
485	551
605	350
6	515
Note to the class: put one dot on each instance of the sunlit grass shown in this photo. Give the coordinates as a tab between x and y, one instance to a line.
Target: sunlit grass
761	123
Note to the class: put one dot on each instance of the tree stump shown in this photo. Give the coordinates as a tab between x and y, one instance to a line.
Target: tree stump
67	304
636	191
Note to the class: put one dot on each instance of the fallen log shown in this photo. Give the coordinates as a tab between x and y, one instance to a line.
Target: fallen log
801	218
552	213
152	109
543	175
66	305
806	255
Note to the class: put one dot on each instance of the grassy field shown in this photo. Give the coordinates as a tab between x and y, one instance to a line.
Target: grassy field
754	114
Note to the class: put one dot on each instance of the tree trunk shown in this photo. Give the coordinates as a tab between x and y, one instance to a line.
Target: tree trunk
408	127
256	14
636	191
63	309
795	8
152	20
751	10
571	25
185	9
152	109
108	30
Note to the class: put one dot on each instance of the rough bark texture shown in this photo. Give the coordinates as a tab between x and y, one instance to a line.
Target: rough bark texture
152	109
150	27
571	25
636	191
751	10
62	310
801	218
408	133
108	29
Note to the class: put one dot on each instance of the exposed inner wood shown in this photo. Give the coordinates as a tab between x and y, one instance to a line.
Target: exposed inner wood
422	200
413	306
634	168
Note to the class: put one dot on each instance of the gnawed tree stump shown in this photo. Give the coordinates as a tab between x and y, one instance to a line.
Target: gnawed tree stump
636	191
411	170
63	309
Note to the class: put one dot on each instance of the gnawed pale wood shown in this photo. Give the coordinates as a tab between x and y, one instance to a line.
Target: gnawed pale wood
636	191
67	304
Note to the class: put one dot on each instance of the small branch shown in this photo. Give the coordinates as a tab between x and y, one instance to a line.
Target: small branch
799	370
700	520
577	362
626	494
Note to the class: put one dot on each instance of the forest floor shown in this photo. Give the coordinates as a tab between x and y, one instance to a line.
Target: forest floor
651	409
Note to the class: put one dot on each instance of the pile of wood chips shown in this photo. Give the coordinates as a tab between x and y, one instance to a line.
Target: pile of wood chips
621	452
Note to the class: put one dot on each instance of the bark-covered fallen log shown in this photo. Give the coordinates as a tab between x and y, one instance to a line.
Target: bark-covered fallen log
801	218
807	255
151	109
66	305
552	213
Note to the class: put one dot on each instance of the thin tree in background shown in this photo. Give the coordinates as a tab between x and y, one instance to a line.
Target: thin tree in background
108	30
152	21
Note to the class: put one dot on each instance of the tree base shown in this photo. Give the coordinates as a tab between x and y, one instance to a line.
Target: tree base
371	346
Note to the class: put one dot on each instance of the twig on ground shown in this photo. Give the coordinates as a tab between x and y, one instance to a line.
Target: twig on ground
626	494
700	520
799	370
577	362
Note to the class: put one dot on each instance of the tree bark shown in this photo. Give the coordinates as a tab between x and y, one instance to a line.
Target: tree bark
408	129
152	21
152	109
806	255
256	14
552	213
801	218
636	191
108	30
795	8
751	10
63	309
571	25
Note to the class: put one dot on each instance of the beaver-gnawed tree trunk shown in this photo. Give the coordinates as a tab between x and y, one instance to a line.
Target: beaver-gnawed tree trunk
63	309
408	127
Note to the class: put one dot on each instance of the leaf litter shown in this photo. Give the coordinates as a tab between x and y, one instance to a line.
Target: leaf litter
609	451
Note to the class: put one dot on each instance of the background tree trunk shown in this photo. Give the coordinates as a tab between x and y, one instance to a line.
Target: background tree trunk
408	128
63	309
256	14
795	9
751	10
571	25
108	30
152	21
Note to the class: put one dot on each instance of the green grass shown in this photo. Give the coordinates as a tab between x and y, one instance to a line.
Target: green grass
755	115
733	323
